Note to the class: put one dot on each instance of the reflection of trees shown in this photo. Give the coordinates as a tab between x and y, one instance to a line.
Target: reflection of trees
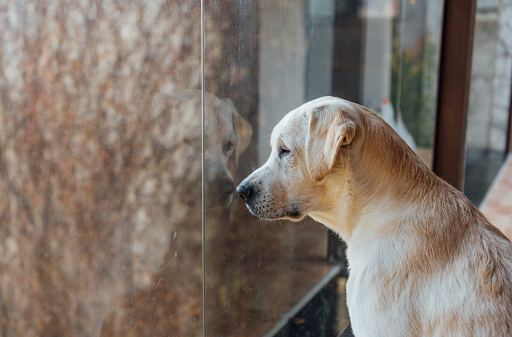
418	87
85	172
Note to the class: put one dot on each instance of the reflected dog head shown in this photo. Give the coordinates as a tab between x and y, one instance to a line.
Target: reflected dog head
310	152
227	136
177	133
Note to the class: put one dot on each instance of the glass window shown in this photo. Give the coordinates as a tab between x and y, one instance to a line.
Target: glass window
415	63
256	59
489	97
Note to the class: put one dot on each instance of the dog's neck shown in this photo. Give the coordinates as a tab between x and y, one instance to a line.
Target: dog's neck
360	207
380	185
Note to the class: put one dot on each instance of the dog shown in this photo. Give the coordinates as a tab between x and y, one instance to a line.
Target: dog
423	261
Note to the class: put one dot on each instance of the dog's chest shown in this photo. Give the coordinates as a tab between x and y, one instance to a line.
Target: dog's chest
370	315
375	297
386	297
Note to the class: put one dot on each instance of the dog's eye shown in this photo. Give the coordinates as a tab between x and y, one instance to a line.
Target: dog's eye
228	148
283	151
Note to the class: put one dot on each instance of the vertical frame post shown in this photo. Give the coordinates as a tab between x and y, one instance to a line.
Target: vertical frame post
453	90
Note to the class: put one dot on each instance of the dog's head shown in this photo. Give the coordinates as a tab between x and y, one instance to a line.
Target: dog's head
311	147
227	136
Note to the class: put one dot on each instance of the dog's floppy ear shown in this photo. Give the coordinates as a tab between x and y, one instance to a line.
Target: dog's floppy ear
243	131
329	130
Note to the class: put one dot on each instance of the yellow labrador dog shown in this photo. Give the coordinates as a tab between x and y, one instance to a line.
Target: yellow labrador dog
423	260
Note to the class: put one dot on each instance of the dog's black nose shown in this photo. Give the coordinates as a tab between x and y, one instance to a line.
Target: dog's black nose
244	191
228	187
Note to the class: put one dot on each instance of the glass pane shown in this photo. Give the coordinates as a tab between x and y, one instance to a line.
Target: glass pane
489	98
386	57
100	168
415	63
263	59
257	63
